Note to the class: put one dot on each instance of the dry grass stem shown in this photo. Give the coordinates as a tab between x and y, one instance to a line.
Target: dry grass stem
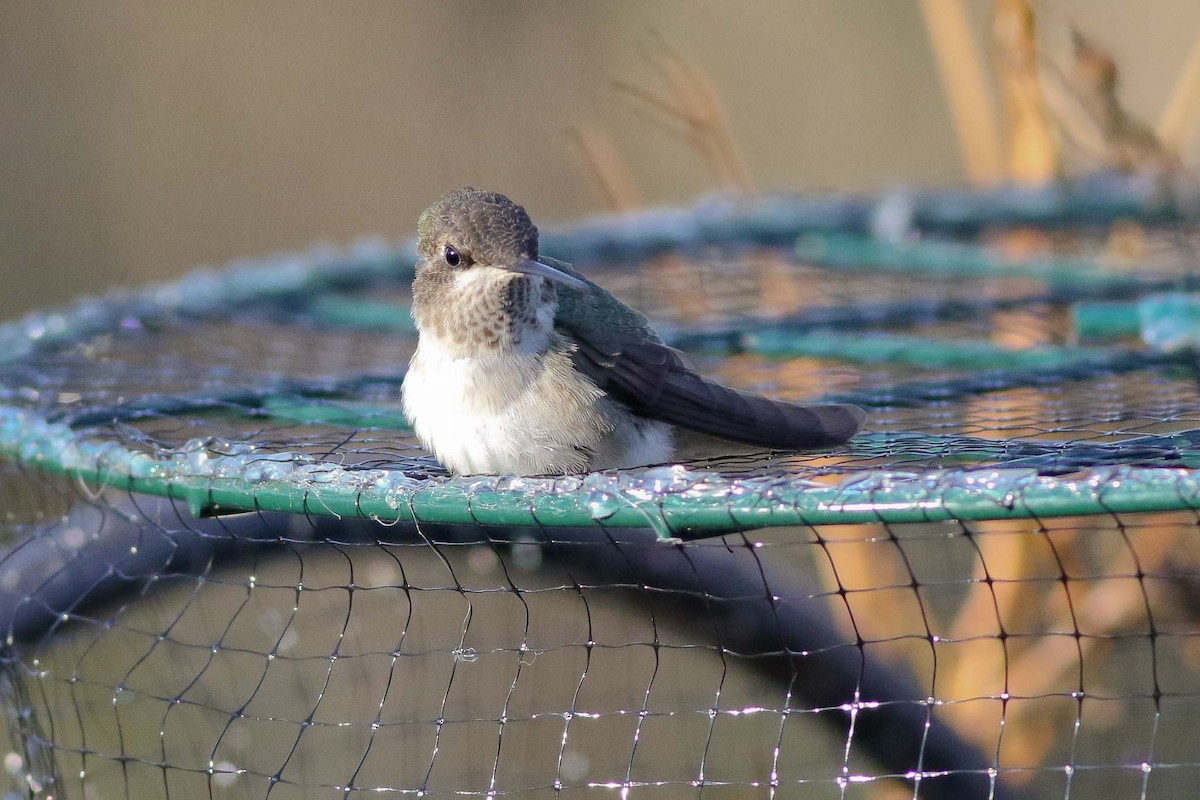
859	562
1033	146
965	86
1129	142
1103	606
691	111
609	171
983	613
1181	118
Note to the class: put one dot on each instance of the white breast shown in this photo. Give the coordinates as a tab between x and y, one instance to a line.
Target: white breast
437	401
513	415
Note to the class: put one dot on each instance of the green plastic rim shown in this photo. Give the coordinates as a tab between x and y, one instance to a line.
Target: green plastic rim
676	502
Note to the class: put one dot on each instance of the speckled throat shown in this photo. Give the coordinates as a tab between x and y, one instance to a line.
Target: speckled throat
485	310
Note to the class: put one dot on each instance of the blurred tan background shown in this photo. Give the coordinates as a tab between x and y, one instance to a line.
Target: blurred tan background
139	139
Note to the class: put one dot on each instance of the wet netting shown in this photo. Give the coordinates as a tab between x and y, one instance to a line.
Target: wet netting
229	571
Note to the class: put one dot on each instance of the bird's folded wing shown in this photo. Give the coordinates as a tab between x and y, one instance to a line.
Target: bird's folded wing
616	347
653	380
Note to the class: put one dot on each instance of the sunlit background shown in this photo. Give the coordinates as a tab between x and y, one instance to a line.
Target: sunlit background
140	139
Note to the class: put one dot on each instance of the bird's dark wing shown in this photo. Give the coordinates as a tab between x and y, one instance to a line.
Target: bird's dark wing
597	311
618	350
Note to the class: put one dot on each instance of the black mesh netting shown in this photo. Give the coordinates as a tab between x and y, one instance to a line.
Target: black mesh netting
229	570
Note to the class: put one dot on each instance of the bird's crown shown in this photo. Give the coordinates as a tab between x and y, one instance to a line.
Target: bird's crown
477	226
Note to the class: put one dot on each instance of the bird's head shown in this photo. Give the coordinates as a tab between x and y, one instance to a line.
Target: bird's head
470	228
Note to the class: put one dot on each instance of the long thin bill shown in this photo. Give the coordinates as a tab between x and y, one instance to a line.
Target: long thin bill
531	267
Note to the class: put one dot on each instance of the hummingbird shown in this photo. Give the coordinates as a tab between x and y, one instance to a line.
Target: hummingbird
523	366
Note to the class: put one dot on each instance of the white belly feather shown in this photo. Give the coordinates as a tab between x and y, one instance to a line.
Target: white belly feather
517	414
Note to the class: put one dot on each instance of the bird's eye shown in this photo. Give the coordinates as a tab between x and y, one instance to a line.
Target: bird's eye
452	257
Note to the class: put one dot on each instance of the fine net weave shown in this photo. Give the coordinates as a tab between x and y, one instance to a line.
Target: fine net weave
229	570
